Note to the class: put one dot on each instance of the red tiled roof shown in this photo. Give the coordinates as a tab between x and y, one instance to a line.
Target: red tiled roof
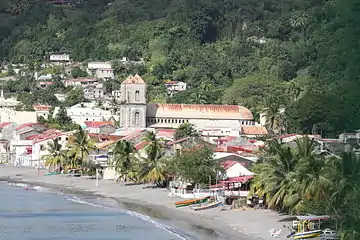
28	125
253	130
45	83
133	80
42	107
81	80
141	145
228	164
4	124
241	179
97	124
133	135
177	141
44	137
233	110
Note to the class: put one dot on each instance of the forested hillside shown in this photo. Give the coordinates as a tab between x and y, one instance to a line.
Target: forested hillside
302	55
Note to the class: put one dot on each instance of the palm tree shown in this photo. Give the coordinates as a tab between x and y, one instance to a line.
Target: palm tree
122	157
56	156
80	146
153	168
345	193
275	174
274	115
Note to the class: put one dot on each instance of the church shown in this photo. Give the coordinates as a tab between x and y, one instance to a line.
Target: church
135	112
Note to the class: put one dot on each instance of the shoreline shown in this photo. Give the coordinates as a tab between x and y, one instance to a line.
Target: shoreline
208	224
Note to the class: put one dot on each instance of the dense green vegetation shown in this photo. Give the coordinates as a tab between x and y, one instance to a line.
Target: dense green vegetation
302	53
300	180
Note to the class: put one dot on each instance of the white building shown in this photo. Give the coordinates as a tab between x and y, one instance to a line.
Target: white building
80	82
101	70
40	145
20	152
7	102
59	57
42	111
106	73
19	117
235	169
175	86
80	115
211	134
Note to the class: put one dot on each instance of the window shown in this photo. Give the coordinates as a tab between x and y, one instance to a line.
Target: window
176	120
42	147
137	118
172	120
137	96
87	119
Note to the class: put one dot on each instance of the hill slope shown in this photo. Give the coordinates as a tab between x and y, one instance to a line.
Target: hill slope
264	54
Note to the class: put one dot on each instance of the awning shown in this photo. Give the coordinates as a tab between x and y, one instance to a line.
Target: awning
241	179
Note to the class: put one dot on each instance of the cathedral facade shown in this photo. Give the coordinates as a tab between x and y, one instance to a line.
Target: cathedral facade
135	112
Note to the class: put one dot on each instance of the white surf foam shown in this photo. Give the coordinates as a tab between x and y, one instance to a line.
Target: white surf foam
131	213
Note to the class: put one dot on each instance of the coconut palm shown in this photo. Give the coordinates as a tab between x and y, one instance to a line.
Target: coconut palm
345	193
122	157
153	167
80	146
274	115
275	174
56	156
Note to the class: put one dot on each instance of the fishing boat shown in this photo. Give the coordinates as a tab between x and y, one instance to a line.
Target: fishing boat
208	205
191	202
309	227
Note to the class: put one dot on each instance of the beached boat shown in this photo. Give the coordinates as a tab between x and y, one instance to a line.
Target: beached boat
191	202
208	205
52	173
310	227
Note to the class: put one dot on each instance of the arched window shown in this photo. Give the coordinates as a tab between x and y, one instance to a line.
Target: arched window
137	96
137	118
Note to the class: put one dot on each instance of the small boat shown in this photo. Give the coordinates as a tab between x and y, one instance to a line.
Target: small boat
191	202
310	227
52	173
208	205
308	234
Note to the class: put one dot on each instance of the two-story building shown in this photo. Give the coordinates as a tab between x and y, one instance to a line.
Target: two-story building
80	82
175	86
42	111
102	70
104	128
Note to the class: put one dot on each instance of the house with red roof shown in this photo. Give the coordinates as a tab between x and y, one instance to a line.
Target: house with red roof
105	128
40	142
235	169
28	129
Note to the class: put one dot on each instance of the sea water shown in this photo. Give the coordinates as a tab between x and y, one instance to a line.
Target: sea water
39	214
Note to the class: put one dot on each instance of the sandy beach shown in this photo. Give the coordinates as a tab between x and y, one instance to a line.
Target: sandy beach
247	224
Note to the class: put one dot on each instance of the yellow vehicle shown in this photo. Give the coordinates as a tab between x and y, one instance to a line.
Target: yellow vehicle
310	226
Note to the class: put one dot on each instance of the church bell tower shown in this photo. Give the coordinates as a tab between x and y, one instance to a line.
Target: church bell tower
133	102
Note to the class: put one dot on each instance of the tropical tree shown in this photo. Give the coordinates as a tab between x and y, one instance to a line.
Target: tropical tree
344	195
122	157
80	147
196	165
56	156
153	168
186	130
273	112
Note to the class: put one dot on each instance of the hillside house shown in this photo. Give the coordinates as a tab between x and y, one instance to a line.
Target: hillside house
26	130
42	111
105	128
80	82
7	130
175	86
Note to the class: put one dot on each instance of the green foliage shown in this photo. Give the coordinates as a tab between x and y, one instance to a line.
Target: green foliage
75	96
77	72
301	181
196	165
244	50
186	130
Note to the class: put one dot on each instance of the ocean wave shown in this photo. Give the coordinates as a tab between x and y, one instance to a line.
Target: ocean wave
143	217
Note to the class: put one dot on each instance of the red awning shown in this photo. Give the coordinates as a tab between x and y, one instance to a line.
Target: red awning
241	179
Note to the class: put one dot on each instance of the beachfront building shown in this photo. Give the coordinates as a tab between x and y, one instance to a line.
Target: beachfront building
39	147
135	112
